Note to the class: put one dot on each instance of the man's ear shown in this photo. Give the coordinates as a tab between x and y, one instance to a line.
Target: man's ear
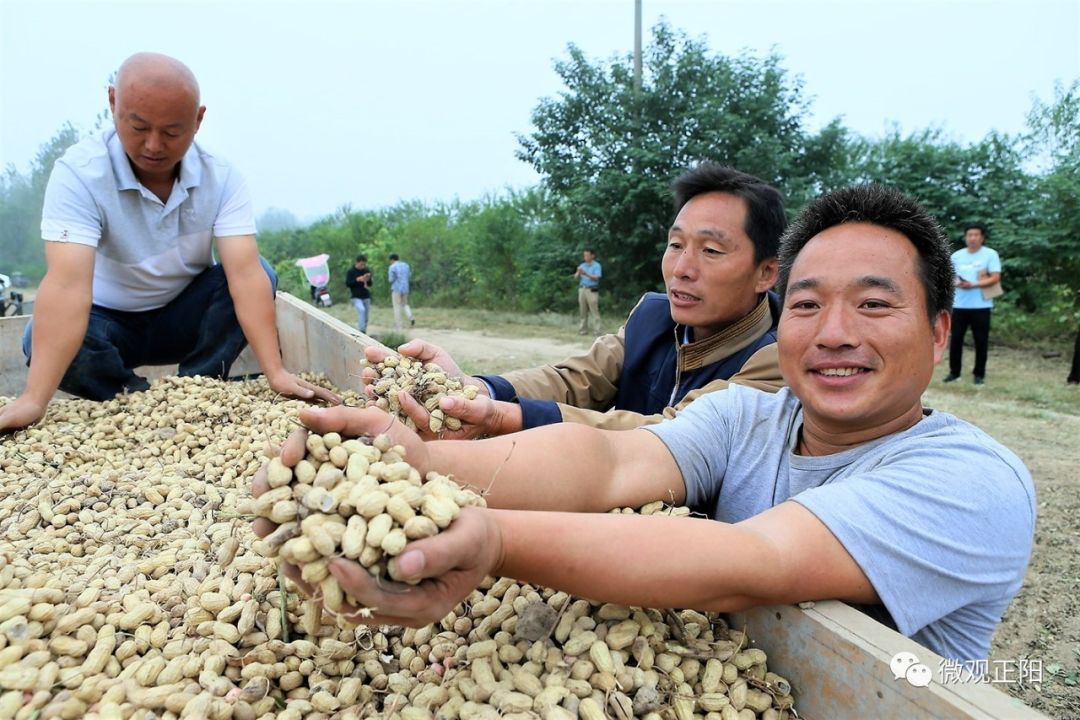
199	117
767	271
941	327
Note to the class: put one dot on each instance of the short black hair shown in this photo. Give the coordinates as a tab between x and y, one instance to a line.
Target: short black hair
889	208
361	258
589	250
765	218
976	226
393	256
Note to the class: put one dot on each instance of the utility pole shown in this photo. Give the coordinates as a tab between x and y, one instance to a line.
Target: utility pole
637	45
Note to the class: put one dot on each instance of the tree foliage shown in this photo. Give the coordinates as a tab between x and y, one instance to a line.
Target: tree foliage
608	152
21	197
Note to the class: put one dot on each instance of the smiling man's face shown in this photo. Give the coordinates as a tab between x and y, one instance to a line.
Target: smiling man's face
855	342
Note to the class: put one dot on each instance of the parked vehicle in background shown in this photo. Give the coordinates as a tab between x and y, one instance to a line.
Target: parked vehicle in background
13	303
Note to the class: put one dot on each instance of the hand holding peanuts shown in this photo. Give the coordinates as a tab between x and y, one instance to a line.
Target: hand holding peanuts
479	417
445	567
423	351
440	569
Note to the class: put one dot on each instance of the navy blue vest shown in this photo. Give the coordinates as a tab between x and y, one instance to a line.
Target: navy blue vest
649	363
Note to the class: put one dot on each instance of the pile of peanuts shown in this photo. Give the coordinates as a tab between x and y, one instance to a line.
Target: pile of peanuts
426	382
131	587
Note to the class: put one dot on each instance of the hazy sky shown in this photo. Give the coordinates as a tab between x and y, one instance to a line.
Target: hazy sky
326	103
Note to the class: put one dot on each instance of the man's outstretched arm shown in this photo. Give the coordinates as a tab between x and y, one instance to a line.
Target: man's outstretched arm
61	315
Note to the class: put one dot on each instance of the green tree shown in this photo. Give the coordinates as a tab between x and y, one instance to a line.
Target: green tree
21	198
1049	243
608	152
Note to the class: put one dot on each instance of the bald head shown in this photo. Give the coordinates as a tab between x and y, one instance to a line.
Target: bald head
154	70
155	104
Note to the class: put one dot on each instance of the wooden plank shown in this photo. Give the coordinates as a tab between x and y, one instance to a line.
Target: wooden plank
292	332
343	345
329	346
838	661
12	360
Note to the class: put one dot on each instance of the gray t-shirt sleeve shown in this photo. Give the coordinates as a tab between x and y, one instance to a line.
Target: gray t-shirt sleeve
938	526
699	439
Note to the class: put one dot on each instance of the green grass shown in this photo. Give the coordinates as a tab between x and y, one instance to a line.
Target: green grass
1035	384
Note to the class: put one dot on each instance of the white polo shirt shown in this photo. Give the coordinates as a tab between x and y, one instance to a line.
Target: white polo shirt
147	250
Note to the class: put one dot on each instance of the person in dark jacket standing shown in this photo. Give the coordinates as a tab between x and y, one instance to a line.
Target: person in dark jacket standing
715	325
358	280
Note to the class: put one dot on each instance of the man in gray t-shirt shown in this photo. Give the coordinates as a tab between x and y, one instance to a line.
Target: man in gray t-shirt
842	487
921	511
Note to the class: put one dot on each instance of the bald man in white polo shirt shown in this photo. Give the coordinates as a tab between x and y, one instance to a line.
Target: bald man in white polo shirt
129	220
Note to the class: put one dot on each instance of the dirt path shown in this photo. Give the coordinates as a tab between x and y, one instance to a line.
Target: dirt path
482	353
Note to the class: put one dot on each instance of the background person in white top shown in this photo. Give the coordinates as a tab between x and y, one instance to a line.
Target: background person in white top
976	267
128	223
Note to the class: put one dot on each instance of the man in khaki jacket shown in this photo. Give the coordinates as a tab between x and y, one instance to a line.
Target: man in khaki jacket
715	325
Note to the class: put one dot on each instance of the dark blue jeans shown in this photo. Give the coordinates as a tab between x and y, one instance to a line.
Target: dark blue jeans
198	330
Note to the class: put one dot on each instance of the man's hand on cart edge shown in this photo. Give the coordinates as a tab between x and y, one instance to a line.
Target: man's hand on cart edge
21	412
285	383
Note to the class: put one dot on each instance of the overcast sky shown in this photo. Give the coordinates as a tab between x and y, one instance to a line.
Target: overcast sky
326	103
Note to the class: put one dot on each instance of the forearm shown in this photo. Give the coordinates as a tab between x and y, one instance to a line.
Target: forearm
563	467
677	562
61	315
254	304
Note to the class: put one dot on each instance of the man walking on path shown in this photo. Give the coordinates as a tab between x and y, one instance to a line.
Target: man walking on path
359	281
399	274
977	268
589	273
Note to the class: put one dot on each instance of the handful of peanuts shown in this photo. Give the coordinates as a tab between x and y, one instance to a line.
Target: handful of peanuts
132	587
357	499
426	382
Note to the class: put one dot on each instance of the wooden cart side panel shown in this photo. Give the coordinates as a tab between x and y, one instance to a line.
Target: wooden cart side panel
313	341
837	659
310	340
12	360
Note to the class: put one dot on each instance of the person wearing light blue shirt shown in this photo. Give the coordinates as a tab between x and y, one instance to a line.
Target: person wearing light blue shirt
977	267
588	274
399	274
